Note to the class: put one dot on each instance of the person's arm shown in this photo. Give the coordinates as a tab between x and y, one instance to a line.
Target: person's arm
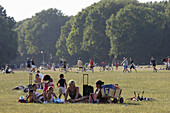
65	84
99	94
27	98
54	95
122	62
40	96
58	84
39	81
77	92
66	94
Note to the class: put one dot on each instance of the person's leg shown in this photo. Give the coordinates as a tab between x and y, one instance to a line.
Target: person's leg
123	70
59	96
44	96
131	69
155	69
92	69
83	99
127	70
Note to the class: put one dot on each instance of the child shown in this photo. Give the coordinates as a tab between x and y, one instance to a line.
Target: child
37	81
31	97
50	95
37	95
48	81
62	85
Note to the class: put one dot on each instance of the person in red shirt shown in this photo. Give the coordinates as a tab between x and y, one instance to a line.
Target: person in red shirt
166	62
104	65
91	65
116	64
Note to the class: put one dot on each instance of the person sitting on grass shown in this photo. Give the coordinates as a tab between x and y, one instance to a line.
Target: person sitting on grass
73	92
32	98
97	95
61	84
7	70
37	95
40	75
48	81
50	95
37	81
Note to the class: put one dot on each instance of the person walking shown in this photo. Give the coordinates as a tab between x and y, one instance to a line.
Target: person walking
92	65
125	65
153	62
132	65
80	65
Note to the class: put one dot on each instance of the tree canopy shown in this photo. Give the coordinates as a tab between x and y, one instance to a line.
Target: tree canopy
8	37
103	31
40	33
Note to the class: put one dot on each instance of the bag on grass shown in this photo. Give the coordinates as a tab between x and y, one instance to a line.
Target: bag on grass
108	90
57	100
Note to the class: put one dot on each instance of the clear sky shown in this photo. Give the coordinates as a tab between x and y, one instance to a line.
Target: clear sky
22	9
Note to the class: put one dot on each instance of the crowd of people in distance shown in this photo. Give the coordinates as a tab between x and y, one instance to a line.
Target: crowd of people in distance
128	65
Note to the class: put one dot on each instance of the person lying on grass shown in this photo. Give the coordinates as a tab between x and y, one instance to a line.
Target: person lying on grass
73	92
50	95
32	98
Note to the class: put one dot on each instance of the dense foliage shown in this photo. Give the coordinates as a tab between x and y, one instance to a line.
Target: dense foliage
8	38
116	28
138	31
40	33
103	31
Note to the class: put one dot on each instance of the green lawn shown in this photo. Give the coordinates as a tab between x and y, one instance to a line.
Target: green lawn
155	85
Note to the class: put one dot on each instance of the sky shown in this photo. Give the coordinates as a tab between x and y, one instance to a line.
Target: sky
22	9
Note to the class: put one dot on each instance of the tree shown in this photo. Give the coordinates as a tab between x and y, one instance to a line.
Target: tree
40	33
8	38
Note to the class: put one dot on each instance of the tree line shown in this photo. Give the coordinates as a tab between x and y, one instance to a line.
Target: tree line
103	31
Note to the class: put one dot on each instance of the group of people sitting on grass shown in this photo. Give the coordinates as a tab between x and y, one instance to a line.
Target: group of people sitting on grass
7	70
48	95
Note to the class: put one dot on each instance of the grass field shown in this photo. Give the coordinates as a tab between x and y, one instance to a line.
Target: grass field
155	85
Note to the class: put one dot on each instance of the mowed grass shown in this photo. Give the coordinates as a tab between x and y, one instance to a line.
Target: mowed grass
155	85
